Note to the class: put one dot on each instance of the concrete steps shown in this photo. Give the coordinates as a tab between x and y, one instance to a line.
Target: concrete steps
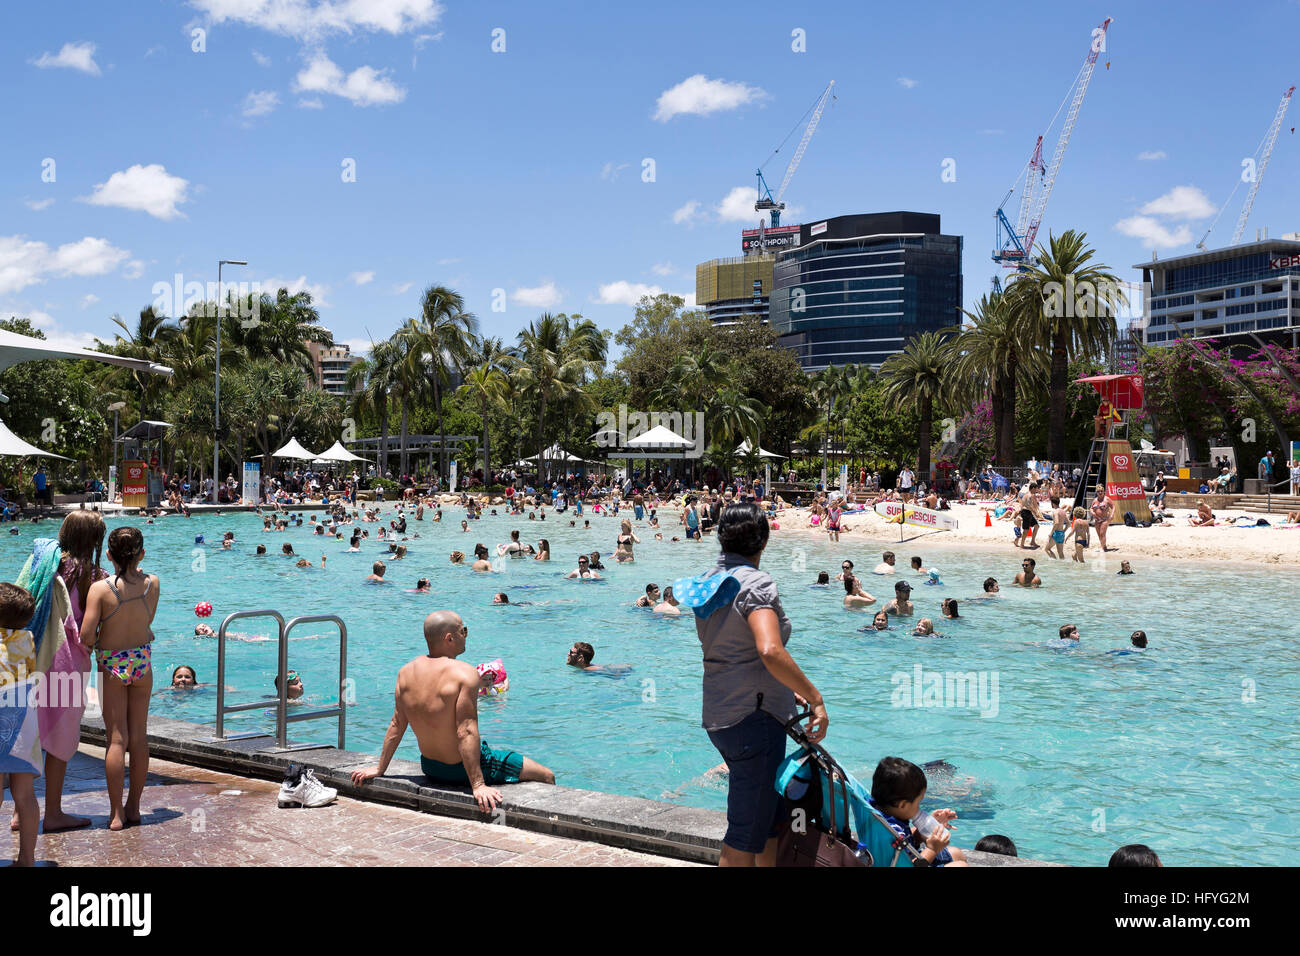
1260	504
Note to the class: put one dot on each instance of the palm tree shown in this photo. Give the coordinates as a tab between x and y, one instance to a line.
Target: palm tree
146	341
371	381
991	358
281	329
443	339
557	357
919	375
1066	304
485	386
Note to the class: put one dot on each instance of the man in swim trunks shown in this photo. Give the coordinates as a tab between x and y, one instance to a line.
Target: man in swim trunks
1028	516
437	696
1060	519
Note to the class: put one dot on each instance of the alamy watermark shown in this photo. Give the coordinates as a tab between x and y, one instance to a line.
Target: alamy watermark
977	690
178	297
616	430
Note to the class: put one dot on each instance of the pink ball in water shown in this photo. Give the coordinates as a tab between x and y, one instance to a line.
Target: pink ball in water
203	609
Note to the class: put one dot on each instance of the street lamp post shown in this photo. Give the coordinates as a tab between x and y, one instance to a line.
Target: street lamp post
216	426
115	408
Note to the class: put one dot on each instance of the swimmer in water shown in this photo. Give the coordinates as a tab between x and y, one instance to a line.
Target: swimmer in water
1124	568
287	550
854	596
377	573
823	580
583	570
669	606
464	525
261	551
458	557
650	598
902	602
422	586
204	630
924	628
184	677
501	598
846	568
481	562
880	622
886	565
949	607
1028	578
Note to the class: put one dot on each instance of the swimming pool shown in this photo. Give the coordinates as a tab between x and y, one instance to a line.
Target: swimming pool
1189	747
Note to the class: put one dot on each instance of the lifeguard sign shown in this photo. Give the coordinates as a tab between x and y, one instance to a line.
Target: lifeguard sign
1123	484
135	484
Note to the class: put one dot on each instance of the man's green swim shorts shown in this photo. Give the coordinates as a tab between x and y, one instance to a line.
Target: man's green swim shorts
499	766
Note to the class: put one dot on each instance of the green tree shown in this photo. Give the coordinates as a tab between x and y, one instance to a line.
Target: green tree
918	377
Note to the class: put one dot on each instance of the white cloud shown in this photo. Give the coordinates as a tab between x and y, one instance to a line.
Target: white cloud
424	38
38	204
402	287
42	320
630	293
133	269
304	19
1181	202
260	103
89	300
738	205
1153	233
150	189
261	59
448	262
25	262
73	56
152	50
991	132
312	104
360	347
662	268
610	170
698	95
1152	154
50	328
318	290
544	296
689	214
361	278
906	82
364	86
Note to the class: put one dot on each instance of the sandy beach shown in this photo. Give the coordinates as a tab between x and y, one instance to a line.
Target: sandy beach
1172	539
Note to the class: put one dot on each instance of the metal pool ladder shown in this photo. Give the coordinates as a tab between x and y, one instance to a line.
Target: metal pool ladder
282	716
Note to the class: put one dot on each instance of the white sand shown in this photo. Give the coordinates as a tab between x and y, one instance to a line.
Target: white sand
1172	539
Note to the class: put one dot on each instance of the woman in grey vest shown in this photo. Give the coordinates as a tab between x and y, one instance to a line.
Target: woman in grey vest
750	688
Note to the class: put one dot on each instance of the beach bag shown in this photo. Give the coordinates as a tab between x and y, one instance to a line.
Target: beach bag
1130	520
811	844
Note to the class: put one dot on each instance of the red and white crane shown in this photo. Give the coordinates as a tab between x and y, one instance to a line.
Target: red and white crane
1015	244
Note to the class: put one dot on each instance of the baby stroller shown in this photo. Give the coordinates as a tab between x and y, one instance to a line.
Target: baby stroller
831	822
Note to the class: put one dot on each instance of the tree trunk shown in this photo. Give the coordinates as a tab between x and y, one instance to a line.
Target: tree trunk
406	407
923	457
383	442
541	421
1056	412
996	403
442	432
1007	437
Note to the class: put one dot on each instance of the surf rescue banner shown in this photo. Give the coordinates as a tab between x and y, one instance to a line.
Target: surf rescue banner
921	517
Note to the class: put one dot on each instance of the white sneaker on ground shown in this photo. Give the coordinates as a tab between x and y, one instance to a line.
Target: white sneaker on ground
309	792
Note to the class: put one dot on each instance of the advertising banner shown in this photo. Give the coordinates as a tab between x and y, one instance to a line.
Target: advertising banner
921	517
451	475
1123	486
135	487
252	483
844	479
112	482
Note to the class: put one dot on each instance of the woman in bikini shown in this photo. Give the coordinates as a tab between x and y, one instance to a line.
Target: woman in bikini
1078	531
623	545
119	610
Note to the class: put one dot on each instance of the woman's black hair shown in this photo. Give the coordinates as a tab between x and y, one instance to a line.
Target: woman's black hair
849	582
823	577
950	604
742	529
895	781
996	843
1135	854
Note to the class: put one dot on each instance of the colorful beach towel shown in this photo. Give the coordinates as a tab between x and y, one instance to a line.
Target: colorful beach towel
62	664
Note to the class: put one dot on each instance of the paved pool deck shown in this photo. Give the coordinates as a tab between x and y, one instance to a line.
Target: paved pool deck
392	815
193	816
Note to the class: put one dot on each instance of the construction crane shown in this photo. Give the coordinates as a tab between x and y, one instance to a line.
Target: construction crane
1266	145
1015	244
766	201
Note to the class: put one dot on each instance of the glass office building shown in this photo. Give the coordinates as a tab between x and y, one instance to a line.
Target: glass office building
728	289
857	288
1230	294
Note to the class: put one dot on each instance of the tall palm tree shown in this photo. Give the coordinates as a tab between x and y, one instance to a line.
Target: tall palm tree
443	338
556	356
485	386
283	326
920	376
991	357
371	381
146	341
1066	303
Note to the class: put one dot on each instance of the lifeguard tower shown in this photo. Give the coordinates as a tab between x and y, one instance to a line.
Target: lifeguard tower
1111	461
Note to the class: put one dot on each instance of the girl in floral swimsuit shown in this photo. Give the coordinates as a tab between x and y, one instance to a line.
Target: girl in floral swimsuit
119	611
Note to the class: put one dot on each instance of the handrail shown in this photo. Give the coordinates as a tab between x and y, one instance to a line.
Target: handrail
281	714
1268	489
222	710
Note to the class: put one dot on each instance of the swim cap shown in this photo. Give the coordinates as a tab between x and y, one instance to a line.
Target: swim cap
934	574
496	668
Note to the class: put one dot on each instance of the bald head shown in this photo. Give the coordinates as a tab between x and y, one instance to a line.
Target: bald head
441	631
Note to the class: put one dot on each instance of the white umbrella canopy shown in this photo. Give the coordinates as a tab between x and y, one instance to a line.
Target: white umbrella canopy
556	453
743	449
15	348
659	437
294	450
12	446
337	452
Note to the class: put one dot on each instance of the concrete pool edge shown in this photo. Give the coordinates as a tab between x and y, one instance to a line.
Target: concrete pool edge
631	823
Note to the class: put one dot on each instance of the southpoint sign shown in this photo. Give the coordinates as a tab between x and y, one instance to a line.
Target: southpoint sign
780	237
1285	262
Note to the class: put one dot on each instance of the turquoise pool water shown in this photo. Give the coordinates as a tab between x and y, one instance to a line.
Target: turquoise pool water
1189	747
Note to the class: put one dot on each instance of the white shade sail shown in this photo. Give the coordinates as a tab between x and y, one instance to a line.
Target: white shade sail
15	349
556	453
294	450
743	449
14	447
337	452
658	437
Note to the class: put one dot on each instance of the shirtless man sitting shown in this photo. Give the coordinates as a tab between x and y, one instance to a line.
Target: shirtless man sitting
438	696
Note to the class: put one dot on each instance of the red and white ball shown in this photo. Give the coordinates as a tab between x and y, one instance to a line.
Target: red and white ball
203	609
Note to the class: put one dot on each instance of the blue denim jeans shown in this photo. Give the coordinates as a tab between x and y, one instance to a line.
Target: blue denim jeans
753	750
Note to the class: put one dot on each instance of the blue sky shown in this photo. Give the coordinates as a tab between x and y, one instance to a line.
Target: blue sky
522	170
